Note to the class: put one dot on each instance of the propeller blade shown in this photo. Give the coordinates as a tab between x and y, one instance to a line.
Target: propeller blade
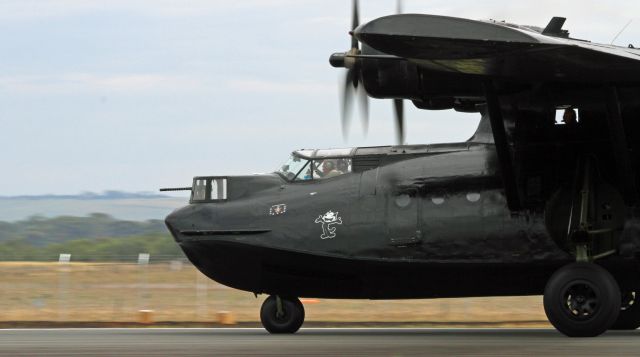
355	22
399	7
355	77
347	94
398	108
364	108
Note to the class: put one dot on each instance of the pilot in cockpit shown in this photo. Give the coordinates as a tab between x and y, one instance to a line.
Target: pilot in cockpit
328	170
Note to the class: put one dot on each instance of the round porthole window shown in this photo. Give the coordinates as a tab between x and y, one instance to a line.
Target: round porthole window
473	197
437	200
403	201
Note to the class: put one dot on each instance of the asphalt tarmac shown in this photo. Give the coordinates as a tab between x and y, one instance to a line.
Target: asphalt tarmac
311	342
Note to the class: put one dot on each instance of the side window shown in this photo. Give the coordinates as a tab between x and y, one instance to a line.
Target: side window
218	189
199	190
209	189
328	168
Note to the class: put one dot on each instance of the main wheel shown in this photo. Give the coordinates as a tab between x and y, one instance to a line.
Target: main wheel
582	300
629	317
288	320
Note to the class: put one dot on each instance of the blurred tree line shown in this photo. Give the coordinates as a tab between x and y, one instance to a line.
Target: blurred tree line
97	237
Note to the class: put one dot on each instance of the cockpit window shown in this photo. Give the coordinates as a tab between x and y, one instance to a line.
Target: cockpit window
305	174
293	167
298	168
328	168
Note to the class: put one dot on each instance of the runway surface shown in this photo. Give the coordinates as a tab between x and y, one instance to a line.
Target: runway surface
310	342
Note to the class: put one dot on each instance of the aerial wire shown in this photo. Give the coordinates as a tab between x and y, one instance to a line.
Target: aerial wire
621	31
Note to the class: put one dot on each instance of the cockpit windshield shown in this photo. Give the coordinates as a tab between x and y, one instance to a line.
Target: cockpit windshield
306	165
293	167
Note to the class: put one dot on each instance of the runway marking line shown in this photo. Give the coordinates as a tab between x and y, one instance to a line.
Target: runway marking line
261	329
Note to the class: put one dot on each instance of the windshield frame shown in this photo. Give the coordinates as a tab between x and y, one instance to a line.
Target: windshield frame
319	154
294	179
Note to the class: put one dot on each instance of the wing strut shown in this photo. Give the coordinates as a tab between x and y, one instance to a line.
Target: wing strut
502	146
626	174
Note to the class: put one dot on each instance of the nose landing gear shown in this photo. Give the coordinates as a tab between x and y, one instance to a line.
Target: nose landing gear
282	314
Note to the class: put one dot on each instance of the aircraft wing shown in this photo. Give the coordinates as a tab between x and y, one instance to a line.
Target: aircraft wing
498	50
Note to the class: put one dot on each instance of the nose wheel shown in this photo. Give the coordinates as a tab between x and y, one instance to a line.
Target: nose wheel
282	315
582	300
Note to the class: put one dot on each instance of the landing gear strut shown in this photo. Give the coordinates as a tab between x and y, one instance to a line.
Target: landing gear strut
583	299
282	315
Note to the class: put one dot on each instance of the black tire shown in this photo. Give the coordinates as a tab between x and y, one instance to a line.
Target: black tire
291	319
629	317
582	300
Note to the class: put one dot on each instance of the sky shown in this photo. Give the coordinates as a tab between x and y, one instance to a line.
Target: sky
135	95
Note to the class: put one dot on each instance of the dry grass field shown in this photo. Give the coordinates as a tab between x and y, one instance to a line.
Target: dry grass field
178	293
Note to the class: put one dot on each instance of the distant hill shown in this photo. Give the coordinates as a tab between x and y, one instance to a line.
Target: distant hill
120	205
106	195
40	231
98	237
39	228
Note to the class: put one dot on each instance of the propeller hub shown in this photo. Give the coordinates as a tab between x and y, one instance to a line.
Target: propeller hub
337	60
344	59
350	58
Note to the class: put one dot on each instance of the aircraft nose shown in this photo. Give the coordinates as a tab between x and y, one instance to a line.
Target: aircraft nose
172	222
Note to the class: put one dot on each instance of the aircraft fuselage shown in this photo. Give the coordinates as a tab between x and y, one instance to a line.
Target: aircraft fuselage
433	224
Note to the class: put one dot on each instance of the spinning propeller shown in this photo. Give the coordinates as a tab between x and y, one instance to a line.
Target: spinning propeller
353	82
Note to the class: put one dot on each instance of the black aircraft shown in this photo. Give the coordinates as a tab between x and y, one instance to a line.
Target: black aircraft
527	206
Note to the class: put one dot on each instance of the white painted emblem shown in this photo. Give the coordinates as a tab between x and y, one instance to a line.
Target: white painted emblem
277	210
328	220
